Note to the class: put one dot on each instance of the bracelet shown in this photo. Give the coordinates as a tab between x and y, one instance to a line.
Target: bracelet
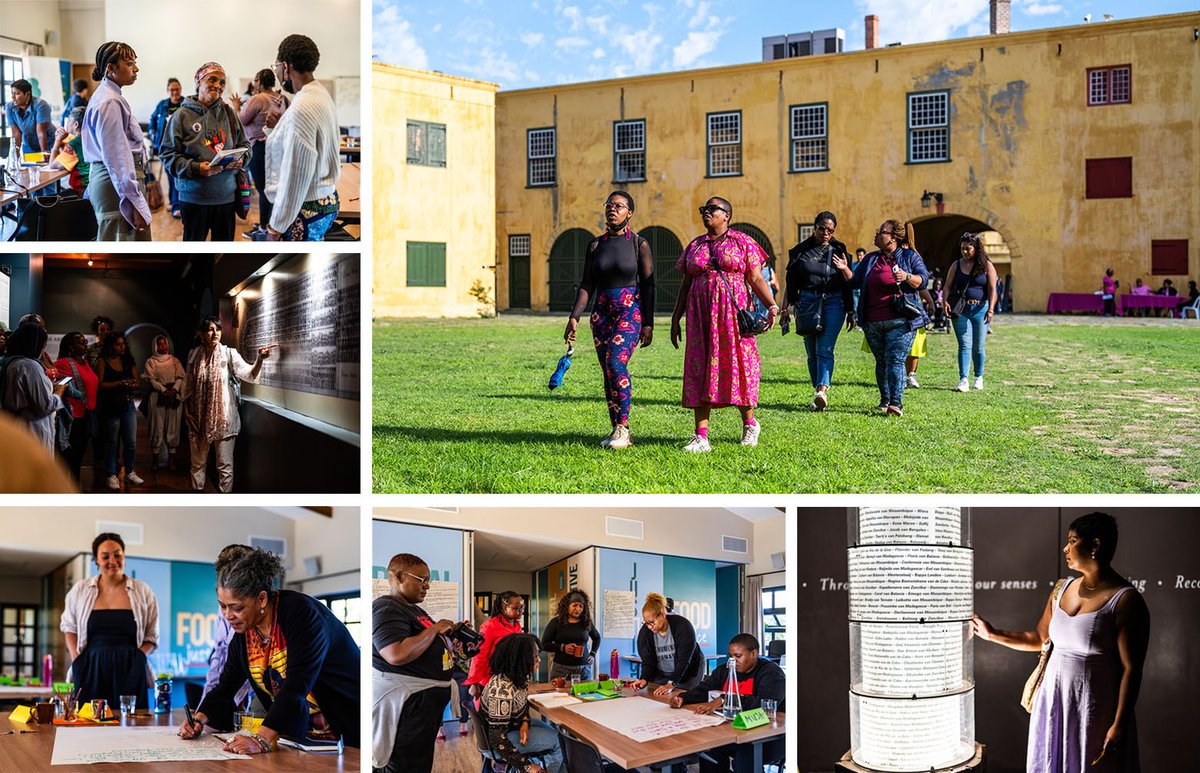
263	743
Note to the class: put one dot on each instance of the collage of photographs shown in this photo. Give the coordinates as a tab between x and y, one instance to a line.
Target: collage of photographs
354	506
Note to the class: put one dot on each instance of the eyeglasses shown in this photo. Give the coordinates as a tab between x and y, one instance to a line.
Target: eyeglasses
422	580
709	209
615	207
825	230
517	607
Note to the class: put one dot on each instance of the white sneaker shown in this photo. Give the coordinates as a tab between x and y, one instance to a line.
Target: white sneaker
820	400
607	442
113	483
134	478
750	434
912	381
620	438
697	445
962	386
978	382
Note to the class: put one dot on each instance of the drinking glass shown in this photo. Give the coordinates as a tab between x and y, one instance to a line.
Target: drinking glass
128	704
771	709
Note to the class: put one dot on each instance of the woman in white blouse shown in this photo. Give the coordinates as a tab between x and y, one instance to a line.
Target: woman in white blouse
165	373
111	624
210	402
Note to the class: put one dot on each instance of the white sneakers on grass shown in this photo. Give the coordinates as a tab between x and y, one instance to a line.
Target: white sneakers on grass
620	438
698	445
979	382
912	381
820	401
750	434
963	386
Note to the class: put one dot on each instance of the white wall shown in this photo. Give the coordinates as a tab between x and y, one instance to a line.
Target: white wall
769	537
82	30
336	541
29	20
173	38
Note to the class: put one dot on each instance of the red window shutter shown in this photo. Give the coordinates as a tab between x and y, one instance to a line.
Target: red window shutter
1109	178
1169	256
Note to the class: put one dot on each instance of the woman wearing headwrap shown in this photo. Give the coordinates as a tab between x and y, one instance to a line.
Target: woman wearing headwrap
210	403
165	374
198	130
25	390
112	144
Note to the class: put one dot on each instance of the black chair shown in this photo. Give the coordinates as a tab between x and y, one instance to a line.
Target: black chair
581	756
776	649
484	747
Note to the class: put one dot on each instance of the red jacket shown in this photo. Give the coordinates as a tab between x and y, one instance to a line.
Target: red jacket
493	630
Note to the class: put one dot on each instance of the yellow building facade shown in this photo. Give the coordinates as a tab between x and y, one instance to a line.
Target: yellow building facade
434	193
1077	146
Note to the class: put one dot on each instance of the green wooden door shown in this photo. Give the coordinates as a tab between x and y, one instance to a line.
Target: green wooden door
518	282
566	268
666	250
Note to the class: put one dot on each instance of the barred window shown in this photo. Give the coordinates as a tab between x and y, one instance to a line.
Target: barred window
542	153
1110	85
426	143
806	231
725	144
810	138
518	246
629	151
929	127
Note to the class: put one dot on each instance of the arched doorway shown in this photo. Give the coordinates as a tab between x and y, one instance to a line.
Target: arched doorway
665	248
938	237
566	267
756	233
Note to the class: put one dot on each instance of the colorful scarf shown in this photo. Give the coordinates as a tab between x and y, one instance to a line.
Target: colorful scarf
207	392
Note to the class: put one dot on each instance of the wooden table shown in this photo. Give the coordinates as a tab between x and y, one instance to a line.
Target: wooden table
10	692
349	193
631	754
350	152
20	753
45	179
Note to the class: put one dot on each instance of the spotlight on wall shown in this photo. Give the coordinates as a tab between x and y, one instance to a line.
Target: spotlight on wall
928	197
91	263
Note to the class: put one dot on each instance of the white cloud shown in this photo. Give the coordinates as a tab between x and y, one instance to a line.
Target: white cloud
919	21
699	16
531	39
573	15
694	46
571	43
492	65
598	53
392	39
1041	9
597	24
639	47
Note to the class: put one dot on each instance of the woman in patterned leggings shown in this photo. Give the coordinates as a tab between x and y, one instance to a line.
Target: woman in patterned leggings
618	271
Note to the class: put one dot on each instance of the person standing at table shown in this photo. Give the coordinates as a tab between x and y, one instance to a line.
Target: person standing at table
110	621
158	127
567	637
29	119
166	376
411	658
112	144
266	103
79	97
301	661
1109	286
202	127
668	649
302	159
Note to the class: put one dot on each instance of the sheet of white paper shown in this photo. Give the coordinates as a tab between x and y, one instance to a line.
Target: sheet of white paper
91	745
379	587
620	614
552	700
441	602
643	719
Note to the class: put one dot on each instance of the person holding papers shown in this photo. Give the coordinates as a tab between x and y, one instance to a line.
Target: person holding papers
667	646
204	146
301	661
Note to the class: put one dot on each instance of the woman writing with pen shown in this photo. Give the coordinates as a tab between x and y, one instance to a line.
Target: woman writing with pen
210	403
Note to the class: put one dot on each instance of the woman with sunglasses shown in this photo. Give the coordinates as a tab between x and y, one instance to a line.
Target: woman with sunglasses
819	292
720	366
886	277
412	659
973	278
618	272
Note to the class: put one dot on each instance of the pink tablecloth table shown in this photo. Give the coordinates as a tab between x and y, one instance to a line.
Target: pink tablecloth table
1063	302
1131	301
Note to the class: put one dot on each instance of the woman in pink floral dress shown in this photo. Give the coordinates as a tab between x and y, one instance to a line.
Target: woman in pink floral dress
720	367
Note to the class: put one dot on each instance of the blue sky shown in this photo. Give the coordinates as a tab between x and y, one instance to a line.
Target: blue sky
527	43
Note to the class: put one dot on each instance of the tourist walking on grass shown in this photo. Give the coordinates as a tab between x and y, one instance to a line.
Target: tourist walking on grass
618	272
720	366
820	299
889	309
973	279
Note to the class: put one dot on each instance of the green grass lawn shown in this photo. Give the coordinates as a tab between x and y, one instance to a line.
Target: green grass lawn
1070	405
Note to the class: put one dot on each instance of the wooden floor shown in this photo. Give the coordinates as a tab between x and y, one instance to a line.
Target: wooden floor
158	481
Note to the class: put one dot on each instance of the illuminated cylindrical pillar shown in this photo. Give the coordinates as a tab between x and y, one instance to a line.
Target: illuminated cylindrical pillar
912	685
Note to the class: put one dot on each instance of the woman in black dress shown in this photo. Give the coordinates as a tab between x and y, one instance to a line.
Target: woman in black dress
111	624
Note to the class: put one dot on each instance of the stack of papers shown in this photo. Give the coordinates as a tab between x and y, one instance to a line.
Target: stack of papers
550	700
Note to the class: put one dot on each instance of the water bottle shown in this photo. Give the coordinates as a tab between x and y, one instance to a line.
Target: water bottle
733	699
614	664
48	671
13	165
162	695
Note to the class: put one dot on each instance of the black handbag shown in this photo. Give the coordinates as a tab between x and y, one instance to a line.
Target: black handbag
809	318
905	305
750	323
959	307
58	217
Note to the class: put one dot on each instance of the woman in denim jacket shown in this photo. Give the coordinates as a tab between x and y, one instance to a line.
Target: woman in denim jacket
881	276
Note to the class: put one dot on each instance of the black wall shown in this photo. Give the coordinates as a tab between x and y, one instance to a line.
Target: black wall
276	454
1156	545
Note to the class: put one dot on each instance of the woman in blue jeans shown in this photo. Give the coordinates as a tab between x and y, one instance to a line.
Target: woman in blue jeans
818	293
974	276
115	409
881	276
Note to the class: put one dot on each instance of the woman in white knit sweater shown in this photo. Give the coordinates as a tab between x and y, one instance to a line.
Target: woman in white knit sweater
302	149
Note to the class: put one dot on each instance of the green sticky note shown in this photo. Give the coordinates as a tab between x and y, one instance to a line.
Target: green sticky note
750	718
584	687
63	687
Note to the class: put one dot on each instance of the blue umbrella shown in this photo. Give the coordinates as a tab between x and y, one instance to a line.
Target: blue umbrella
564	363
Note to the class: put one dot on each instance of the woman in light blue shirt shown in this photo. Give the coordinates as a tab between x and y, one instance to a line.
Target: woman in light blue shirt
113	144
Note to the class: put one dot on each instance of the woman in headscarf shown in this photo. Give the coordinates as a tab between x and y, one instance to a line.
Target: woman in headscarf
166	375
112	144
210	403
201	127
25	390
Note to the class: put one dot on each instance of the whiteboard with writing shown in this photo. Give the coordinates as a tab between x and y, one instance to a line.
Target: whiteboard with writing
92	745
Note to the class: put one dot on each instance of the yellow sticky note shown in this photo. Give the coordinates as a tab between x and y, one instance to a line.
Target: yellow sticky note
85	711
21	714
252	723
